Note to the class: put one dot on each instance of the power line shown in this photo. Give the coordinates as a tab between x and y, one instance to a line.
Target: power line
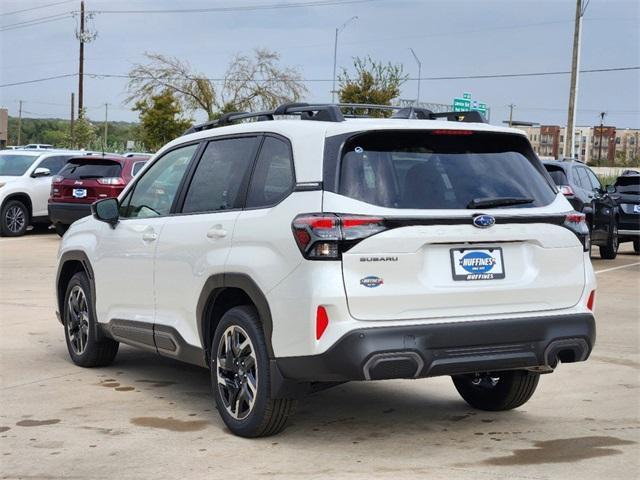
35	8
244	8
35	21
309	80
37	80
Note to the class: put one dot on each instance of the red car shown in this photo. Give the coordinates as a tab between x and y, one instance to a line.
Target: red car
83	180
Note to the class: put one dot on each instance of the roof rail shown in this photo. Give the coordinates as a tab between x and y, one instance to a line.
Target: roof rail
332	112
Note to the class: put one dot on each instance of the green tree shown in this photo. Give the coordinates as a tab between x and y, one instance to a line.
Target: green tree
372	82
84	132
160	120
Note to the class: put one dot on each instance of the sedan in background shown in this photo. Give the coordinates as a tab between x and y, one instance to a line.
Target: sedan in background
627	195
83	180
584	191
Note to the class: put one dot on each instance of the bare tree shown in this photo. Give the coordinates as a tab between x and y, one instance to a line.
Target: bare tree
258	82
250	83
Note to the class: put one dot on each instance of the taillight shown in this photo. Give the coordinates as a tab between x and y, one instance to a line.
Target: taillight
576	222
566	190
111	181
325	236
592	300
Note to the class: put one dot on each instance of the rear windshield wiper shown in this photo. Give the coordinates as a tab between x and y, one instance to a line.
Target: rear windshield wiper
498	202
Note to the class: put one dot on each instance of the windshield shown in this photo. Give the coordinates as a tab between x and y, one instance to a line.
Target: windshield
443	170
15	165
79	169
628	184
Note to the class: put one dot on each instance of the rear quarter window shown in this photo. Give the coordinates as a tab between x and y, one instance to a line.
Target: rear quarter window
557	174
439	170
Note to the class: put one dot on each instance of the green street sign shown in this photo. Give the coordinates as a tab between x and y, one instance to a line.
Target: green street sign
461	104
466	96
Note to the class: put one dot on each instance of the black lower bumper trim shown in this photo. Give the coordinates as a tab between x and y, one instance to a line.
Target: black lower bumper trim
447	349
67	213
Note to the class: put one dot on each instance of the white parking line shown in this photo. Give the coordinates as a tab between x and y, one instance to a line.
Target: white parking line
617	268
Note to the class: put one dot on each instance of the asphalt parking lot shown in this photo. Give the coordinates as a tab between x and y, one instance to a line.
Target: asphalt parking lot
150	417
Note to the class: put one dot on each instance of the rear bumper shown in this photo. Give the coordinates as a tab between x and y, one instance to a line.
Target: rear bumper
447	349
67	213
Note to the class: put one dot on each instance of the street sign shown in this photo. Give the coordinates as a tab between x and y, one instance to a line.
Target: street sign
461	105
466	104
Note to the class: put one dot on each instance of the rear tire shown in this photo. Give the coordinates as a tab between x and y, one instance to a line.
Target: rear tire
240	377
80	326
610	250
497	391
14	219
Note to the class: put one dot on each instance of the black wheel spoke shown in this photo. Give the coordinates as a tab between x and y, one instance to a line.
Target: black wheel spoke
77	320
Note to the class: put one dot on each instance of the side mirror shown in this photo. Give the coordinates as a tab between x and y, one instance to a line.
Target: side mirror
107	210
610	189
41	172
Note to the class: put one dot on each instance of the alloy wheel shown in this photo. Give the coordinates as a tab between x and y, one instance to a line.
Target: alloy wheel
237	372
15	219
78	320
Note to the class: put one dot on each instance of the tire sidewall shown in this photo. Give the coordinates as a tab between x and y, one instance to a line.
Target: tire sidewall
247	318
4	229
81	280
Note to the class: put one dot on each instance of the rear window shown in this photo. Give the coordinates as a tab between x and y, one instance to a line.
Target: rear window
441	170
79	169
628	184
557	175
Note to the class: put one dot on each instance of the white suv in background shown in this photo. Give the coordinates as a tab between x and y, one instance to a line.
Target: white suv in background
25	185
288	255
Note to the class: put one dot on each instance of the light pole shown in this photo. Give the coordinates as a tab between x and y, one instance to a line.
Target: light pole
335	55
419	73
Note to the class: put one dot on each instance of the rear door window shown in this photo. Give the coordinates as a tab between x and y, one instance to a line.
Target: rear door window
583	178
441	169
54	164
220	179
77	169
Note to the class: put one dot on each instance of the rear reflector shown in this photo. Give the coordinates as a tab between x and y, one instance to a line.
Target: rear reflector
322	321
591	301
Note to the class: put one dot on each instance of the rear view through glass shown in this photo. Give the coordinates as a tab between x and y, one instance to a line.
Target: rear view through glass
85	169
442	169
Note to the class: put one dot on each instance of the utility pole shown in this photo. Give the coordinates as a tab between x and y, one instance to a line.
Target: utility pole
602	115
106	116
84	35
419	73
19	123
511	106
569	144
71	124
335	56
81	37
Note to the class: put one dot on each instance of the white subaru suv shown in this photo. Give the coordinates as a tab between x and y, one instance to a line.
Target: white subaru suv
292	254
25	185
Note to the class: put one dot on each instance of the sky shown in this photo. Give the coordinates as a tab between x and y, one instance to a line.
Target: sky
450	37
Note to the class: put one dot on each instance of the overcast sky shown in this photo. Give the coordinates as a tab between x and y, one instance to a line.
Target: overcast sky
452	38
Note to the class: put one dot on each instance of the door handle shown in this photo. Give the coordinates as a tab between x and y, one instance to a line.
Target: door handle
216	232
149	236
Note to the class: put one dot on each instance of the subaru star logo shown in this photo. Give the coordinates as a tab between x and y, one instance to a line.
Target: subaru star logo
483	221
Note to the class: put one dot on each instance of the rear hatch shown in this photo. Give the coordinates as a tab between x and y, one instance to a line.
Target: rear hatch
628	198
469	225
85	180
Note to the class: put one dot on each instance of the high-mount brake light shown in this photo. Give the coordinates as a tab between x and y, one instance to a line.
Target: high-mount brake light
566	190
576	222
324	236
111	181
451	132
